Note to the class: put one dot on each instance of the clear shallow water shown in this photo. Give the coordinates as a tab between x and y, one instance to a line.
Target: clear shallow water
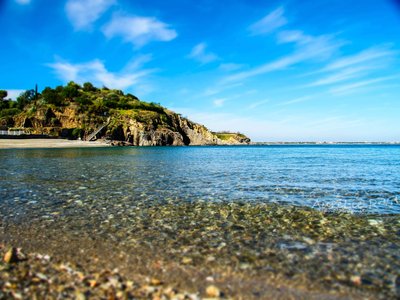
357	179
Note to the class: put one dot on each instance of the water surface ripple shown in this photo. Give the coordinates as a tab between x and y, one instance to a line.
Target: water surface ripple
356	179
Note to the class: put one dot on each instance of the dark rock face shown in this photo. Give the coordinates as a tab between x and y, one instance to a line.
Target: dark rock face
27	123
117	134
245	140
137	137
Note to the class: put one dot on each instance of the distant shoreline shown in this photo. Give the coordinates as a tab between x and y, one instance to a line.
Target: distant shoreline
34	143
323	143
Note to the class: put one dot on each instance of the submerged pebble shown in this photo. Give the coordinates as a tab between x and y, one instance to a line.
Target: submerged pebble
212	291
11	256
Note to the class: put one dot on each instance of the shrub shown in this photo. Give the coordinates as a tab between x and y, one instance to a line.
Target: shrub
77	133
8	112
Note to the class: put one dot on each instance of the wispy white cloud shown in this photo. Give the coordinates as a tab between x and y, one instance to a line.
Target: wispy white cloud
139	30
269	23
307	48
67	71
293	36
211	91
360	66
348	88
83	13
219	102
200	54
219	88
257	104
342	75
137	62
23	2
228	67
96	72
296	100
368	55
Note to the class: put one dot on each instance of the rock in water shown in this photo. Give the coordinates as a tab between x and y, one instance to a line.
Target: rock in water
11	256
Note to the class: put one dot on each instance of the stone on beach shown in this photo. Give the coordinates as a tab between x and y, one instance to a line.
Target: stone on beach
11	256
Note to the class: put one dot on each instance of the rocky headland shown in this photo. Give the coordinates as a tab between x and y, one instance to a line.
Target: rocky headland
90	113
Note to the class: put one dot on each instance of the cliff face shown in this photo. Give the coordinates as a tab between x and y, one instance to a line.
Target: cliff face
173	130
117	117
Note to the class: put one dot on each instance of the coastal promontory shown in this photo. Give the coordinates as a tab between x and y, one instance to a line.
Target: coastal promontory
88	113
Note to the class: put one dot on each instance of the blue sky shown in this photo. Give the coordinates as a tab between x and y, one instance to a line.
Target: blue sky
326	70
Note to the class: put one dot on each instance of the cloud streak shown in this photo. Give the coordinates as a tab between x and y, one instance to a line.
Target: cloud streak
219	102
83	13
269	23
200	54
342	75
139	30
368	55
354	67
296	100
348	88
96	72
308	48
229	67
257	104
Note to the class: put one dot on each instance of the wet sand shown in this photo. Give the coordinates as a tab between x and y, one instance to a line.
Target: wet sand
47	143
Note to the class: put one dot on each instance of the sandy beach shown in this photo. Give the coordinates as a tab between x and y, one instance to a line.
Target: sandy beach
47	143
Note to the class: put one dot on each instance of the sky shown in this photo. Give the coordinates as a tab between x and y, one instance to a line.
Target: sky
326	70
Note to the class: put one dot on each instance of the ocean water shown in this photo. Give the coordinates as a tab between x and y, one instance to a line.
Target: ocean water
360	179
260	211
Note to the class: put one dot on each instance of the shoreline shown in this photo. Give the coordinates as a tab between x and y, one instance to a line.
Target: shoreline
35	273
56	143
48	143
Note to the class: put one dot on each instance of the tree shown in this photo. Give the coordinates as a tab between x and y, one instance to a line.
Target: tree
3	94
3	101
25	98
71	90
51	96
88	87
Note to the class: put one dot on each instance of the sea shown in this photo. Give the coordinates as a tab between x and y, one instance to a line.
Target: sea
356	179
309	217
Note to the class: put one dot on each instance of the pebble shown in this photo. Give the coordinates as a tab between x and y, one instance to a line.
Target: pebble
155	281
356	280
212	291
187	260
210	279
11	256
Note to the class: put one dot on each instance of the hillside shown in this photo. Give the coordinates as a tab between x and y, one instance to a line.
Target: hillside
75	111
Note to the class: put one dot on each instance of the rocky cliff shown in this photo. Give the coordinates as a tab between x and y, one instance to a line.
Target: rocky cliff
79	112
159	130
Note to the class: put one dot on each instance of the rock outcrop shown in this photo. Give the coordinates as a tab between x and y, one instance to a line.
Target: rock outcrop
92	113
175	131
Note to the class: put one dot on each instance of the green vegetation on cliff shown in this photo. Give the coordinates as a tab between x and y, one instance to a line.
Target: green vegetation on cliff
230	137
75	111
